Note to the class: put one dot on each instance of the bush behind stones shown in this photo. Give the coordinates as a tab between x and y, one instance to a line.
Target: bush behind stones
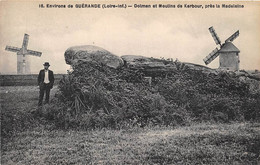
96	96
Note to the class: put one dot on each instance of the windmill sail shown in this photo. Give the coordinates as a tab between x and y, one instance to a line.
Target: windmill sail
211	56
233	36
12	49
34	53
214	35
25	41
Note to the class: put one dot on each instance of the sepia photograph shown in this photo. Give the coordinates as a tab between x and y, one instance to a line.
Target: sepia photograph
130	82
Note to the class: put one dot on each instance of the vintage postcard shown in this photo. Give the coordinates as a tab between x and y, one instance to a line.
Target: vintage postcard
129	82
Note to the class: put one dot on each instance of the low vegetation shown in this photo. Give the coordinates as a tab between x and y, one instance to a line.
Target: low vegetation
96	96
100	115
197	144
29	137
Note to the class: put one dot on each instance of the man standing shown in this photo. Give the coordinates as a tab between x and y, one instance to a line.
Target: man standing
45	82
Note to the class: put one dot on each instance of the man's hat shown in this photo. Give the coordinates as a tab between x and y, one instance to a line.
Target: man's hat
46	64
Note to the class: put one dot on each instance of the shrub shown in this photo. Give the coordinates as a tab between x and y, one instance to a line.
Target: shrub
95	96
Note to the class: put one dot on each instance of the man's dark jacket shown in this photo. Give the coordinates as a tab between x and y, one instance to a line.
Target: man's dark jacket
42	75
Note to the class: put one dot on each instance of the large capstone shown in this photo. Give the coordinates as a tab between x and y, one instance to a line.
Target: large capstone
141	61
92	53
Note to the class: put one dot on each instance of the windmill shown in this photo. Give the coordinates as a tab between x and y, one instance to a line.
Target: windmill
23	63
228	53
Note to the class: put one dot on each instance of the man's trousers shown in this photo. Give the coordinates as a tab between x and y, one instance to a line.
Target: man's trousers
44	88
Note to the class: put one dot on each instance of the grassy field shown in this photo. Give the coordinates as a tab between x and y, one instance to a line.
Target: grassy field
28	138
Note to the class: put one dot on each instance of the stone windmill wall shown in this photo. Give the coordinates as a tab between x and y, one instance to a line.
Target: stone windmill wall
229	57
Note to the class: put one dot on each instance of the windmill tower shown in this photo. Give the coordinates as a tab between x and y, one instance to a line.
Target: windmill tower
23	62
228	52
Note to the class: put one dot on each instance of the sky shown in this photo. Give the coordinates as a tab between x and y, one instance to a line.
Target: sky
168	33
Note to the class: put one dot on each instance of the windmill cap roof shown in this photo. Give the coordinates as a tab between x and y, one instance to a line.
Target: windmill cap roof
229	47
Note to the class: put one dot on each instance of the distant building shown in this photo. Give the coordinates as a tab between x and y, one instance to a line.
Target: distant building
228	52
229	57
